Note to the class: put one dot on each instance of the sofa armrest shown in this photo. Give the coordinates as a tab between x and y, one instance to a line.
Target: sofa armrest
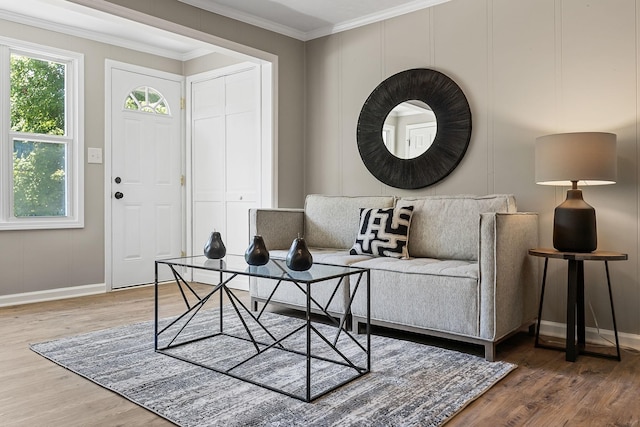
278	227
508	275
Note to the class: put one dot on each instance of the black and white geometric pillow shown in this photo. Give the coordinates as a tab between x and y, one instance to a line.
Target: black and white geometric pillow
383	232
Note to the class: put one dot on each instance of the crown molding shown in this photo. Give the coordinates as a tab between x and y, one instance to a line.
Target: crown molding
128	43
373	18
314	34
247	18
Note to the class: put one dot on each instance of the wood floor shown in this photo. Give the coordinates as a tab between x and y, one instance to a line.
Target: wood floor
545	390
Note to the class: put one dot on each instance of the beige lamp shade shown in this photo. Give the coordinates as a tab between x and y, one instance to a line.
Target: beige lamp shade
587	157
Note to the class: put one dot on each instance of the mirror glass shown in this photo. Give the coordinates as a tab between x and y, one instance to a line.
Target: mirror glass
409	129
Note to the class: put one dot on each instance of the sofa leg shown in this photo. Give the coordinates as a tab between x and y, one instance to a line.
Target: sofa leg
348	322
355	326
490	352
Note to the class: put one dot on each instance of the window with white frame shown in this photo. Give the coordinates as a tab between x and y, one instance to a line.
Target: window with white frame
41	146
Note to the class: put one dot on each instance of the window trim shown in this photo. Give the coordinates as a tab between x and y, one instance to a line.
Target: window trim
74	116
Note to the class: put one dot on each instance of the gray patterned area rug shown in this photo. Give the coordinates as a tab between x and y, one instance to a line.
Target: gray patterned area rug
410	384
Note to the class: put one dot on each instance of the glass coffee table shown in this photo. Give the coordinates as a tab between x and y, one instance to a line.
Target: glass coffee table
303	358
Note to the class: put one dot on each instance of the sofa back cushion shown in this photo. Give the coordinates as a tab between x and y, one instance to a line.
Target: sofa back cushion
447	227
332	221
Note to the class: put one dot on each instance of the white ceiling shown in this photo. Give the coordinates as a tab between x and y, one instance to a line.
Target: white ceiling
309	19
301	19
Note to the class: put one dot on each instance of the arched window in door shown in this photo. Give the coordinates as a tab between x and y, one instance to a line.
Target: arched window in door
147	100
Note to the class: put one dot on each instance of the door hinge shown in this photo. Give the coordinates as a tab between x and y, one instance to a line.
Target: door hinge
182	180
183	103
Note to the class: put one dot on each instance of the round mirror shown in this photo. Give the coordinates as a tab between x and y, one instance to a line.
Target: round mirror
409	129
420	168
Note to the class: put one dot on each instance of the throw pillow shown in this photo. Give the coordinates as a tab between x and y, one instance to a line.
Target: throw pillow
383	232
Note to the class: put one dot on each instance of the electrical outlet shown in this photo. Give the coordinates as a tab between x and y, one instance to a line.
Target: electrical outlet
94	155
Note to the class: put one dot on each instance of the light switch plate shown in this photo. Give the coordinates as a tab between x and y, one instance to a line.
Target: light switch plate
94	155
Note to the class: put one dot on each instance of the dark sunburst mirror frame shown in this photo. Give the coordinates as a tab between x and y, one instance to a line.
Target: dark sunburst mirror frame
453	134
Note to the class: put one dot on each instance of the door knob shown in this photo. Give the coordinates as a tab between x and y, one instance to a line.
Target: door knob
118	195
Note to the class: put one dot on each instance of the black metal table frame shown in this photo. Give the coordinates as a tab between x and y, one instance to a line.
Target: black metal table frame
303	285
575	307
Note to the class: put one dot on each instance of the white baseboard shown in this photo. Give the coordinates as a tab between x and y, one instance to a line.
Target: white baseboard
604	337
52	294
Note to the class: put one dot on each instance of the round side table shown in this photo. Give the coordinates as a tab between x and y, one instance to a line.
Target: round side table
575	298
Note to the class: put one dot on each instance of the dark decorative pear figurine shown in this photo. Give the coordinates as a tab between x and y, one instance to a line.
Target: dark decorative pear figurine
214	248
257	253
299	258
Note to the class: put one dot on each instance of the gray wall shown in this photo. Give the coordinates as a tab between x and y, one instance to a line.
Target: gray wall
528	68
208	62
38	260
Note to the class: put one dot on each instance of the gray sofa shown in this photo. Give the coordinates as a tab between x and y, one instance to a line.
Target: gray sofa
468	276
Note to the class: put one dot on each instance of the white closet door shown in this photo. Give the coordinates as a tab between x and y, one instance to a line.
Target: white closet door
226	155
242	156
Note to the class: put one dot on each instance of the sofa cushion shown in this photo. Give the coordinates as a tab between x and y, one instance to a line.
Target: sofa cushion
383	232
446	227
332	221
422	293
422	266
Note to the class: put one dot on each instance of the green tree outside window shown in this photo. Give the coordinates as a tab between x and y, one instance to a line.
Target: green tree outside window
38	107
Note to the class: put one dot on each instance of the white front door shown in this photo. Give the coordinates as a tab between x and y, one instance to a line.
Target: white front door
146	192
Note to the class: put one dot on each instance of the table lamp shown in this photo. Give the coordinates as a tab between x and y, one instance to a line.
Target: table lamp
568	158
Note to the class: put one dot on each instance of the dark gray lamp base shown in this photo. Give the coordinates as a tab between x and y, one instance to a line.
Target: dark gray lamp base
574	225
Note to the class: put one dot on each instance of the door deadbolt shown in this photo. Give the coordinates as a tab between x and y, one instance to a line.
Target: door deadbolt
118	180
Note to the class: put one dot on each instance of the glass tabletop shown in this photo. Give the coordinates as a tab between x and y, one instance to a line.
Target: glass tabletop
275	269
